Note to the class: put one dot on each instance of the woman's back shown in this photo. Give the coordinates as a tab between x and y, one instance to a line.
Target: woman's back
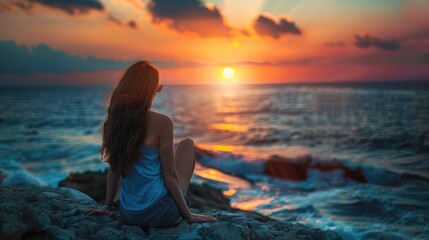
144	183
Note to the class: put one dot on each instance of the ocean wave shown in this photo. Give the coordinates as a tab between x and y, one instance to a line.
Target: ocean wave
339	138
306	167
18	176
390	178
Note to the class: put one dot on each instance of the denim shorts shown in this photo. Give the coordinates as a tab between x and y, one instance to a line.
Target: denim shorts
163	213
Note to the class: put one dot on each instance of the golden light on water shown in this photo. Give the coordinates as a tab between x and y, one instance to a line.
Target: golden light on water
228	73
222	148
230	192
229	127
252	203
233	182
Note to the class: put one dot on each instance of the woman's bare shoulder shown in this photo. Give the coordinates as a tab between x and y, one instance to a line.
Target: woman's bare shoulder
159	118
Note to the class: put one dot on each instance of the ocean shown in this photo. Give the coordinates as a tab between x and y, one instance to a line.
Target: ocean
47	132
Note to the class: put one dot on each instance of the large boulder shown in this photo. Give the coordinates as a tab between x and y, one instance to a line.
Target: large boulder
297	169
31	212
290	169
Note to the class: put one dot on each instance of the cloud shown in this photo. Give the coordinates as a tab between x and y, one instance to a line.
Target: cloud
423	58
368	41
335	44
5	7
189	16
284	62
68	6
266	26
417	36
130	23
114	19
17	59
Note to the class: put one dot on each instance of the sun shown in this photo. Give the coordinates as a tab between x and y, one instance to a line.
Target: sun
228	73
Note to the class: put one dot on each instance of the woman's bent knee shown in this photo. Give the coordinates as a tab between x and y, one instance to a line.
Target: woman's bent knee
187	142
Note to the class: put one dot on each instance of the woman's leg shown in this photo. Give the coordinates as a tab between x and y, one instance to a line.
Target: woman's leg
185	162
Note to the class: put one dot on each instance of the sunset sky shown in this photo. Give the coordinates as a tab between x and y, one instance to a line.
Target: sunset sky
193	41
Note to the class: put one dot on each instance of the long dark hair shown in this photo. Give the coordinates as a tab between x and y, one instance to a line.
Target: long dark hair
126	125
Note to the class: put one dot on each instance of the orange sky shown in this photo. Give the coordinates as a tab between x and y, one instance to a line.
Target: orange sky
193	40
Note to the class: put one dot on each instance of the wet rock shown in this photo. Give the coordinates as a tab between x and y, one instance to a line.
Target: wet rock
206	197
290	169
297	169
355	174
91	183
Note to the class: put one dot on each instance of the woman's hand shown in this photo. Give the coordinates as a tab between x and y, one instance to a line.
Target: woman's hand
107	210
197	218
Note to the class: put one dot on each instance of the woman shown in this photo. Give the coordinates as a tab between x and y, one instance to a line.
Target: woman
138	145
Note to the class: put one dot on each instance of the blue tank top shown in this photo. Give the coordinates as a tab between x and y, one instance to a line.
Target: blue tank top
144	183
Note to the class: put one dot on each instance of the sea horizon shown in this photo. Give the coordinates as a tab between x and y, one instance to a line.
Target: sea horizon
407	84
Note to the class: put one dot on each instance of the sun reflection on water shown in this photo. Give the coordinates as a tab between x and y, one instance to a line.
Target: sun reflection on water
232	183
229	127
251	204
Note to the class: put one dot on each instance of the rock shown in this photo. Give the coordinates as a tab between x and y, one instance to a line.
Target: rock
285	168
93	184
355	174
37	219
297	169
206	197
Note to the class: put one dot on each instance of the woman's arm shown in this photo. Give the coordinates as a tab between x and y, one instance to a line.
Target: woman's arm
171	178
112	187
169	171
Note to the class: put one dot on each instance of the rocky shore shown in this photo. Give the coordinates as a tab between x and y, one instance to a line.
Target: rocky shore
31	212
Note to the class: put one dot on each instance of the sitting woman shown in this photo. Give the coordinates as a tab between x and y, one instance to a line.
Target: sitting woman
138	145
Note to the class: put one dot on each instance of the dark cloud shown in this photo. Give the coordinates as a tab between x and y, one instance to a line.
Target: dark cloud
8	6
286	62
244	32
71	7
335	44
381	58
417	36
114	19
368	41
130	23
17	59
265	26
423	58
189	15
5	7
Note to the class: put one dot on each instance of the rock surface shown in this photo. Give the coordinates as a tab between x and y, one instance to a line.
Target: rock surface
30	212
290	169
